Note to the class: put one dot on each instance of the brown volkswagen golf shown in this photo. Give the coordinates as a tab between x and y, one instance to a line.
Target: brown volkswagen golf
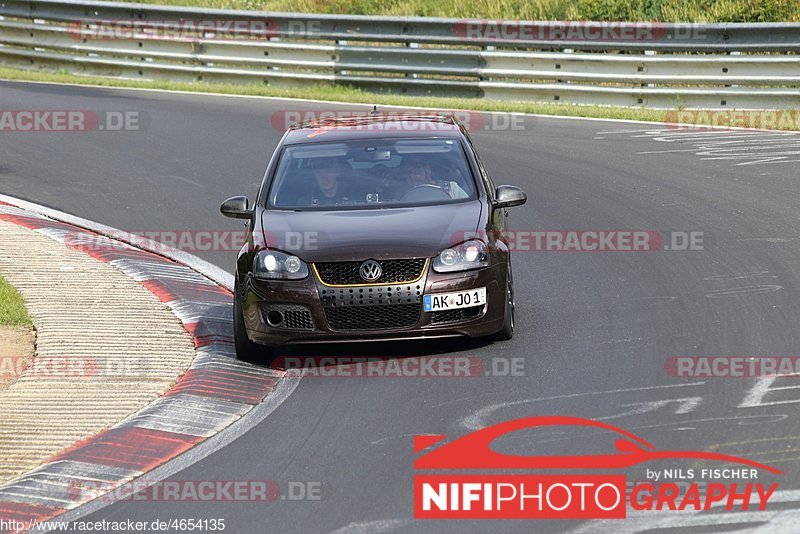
373	228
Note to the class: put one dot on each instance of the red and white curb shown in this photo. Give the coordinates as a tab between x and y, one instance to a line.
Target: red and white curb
215	391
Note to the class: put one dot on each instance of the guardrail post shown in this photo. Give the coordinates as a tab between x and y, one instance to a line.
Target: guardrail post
412	75
482	62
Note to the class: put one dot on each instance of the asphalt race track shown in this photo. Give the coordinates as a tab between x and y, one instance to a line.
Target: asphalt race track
594	328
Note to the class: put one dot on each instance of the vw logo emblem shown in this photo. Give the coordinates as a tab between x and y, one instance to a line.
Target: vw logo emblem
370	270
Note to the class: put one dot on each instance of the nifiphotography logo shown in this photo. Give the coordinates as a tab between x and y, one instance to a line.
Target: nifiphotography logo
488	494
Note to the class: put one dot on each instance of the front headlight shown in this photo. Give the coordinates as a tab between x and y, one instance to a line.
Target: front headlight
276	265
466	256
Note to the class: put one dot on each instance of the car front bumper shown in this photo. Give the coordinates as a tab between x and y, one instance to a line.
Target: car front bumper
309	316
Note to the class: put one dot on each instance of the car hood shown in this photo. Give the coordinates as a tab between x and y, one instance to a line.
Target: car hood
389	233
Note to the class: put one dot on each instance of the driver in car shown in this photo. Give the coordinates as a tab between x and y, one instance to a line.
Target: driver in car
417	173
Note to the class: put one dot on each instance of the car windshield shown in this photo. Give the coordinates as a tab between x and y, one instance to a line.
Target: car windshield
372	174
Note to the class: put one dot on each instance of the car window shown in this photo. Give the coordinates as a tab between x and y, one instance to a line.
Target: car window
371	174
490	185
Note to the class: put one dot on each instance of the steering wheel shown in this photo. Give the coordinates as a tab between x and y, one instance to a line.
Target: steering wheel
425	193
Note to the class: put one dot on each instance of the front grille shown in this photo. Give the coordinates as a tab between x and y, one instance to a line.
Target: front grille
295	316
456	316
393	272
373	317
371	296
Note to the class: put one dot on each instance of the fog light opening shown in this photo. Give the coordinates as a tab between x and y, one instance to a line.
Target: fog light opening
274	318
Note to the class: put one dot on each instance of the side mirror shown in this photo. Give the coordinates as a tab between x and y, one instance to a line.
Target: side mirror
236	208
508	196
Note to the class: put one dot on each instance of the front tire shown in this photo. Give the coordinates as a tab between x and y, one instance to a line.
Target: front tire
507	332
245	349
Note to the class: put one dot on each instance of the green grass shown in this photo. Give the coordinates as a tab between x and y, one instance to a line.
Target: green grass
345	94
12	307
633	10
355	96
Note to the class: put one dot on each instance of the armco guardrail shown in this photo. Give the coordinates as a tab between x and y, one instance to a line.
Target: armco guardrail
741	66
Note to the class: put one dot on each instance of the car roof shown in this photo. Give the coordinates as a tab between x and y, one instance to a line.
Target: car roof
374	126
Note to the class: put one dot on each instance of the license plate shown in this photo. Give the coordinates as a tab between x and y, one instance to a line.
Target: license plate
454	301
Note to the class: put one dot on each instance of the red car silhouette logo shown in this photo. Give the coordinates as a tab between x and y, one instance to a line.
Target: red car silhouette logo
474	451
